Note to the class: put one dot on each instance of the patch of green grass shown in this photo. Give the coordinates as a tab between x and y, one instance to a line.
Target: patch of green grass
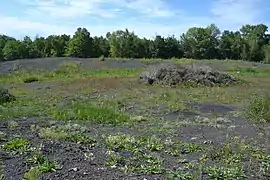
178	175
25	107
85	111
17	146
140	149
66	74
258	109
67	133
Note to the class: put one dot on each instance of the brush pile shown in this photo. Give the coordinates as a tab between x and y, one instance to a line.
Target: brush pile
169	74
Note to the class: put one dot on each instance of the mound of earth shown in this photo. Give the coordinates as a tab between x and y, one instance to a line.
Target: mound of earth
5	96
176	74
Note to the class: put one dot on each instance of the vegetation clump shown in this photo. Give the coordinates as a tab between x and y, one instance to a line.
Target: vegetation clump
176	74
5	96
258	109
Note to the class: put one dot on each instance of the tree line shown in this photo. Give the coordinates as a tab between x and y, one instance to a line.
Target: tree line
250	43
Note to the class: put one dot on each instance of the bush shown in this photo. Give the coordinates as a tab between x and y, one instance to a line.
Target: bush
258	109
5	96
30	79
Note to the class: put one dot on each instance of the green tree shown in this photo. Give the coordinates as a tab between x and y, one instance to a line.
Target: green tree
13	49
255	38
231	45
81	44
101	47
123	44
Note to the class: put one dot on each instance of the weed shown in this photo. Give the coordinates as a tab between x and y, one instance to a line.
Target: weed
258	109
121	142
42	165
232	173
179	176
115	160
17	146
13	124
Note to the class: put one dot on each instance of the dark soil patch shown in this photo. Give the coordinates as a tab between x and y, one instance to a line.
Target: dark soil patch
49	64
210	108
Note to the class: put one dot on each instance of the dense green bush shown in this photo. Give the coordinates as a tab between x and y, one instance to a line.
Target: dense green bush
5	96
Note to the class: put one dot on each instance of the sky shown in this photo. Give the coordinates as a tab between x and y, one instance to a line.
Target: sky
146	18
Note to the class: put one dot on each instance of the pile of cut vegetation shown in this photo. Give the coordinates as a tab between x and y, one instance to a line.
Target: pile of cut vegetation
5	96
171	74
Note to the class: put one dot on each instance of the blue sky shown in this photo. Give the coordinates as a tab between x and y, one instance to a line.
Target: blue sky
145	17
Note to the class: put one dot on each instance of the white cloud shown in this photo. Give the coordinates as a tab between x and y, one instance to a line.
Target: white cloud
17	27
45	17
81	8
235	13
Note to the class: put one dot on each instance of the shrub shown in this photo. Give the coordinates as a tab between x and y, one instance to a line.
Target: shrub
5	96
30	79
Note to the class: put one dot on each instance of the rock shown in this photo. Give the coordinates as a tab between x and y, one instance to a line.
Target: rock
176	74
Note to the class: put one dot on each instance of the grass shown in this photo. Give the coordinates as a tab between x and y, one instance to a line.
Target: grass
66	72
85	111
67	133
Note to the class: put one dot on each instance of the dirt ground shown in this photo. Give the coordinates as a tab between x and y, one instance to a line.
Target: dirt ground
185	133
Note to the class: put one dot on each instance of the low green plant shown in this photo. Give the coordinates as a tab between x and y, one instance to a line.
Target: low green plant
42	165
178	175
232	173
17	146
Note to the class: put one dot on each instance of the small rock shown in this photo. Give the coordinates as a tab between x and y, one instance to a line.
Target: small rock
138	118
194	138
74	169
208	142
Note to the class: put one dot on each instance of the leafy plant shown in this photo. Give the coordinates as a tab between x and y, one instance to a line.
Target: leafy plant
17	146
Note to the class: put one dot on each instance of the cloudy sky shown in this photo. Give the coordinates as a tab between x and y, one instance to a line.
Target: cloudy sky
146	17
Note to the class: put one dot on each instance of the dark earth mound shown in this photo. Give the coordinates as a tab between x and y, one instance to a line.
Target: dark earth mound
176	74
